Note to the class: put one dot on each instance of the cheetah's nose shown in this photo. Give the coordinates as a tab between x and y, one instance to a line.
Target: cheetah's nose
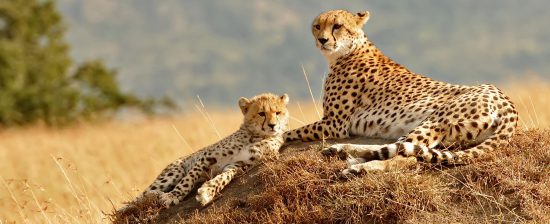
322	40
272	126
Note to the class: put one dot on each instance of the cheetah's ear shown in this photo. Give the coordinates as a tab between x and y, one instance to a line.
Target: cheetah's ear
284	98
362	18
243	104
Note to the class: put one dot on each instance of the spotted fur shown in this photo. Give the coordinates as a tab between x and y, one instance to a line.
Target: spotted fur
366	93
260	135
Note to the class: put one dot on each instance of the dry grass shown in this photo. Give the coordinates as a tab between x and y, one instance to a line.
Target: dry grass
79	173
532	100
76	174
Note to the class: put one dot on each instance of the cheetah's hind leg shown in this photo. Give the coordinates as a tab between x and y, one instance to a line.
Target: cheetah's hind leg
366	158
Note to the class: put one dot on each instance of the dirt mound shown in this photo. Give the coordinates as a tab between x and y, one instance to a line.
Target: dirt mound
302	186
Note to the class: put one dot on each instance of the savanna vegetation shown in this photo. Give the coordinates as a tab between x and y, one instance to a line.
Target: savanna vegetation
62	162
38	80
79	174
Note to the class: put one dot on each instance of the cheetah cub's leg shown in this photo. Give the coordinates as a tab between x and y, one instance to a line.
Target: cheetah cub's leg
167	179
186	184
164	182
210	188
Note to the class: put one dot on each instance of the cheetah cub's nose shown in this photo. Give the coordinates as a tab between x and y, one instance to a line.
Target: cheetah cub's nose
322	40
272	126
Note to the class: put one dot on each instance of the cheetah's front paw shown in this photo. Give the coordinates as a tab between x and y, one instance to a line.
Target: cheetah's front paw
360	168
336	149
350	172
153	192
169	199
205	195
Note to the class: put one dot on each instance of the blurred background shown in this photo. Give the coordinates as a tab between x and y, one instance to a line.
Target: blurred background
221	50
66	65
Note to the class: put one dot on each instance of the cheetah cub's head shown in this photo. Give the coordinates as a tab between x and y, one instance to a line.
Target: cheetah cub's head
337	31
265	114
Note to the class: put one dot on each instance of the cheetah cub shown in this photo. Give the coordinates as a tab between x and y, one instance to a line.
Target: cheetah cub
260	135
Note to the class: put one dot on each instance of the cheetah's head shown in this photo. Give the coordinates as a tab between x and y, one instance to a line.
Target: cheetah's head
337	31
265	114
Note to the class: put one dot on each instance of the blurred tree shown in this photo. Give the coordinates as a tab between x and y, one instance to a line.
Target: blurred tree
100	93
34	80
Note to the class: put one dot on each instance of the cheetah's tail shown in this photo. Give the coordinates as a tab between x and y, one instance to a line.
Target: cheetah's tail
502	133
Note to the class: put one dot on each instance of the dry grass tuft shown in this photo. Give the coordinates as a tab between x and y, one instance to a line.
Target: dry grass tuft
143	210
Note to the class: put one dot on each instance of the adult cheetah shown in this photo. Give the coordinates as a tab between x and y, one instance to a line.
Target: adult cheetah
368	94
260	135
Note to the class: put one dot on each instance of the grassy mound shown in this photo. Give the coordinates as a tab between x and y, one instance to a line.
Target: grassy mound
510	185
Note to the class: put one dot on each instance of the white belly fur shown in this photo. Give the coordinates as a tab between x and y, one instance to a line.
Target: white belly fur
394	130
242	155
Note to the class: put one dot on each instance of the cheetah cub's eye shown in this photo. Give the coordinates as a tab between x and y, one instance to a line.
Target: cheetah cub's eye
318	27
262	114
336	26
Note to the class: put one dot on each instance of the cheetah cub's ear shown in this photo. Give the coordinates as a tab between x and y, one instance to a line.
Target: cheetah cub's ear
284	98
243	104
362	18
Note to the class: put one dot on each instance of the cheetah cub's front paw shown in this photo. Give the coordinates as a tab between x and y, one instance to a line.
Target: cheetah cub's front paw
205	195
169	199
336	149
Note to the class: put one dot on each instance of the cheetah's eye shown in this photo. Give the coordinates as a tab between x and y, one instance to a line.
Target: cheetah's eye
336	26
318	27
262	114
278	112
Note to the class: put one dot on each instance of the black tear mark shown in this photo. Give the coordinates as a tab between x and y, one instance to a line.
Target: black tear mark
332	33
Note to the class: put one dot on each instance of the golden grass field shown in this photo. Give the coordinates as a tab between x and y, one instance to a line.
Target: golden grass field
80	174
